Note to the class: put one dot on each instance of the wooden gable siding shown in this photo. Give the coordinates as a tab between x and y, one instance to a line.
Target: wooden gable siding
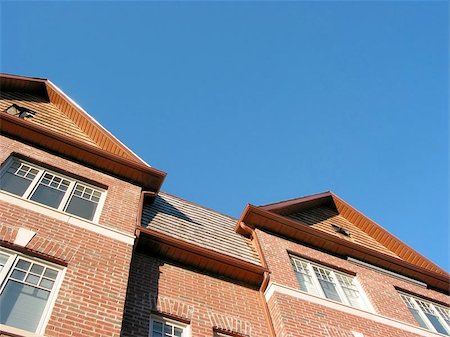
47	114
322	218
384	237
89	127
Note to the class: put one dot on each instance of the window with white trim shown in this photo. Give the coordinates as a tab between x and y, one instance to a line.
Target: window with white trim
428	315
28	288
162	327
52	189
328	283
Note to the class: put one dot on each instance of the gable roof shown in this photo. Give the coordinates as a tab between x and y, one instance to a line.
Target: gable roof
57	111
309	219
62	126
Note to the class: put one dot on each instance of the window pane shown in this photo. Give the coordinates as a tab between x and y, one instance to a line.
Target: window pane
445	313
17	178
167	329
84	202
50	273
305	283
24	265
157	326
33	279
353	297
350	290
304	277
178	332
51	190
437	324
45	283
82	207
418	318
327	283
37	269
48	196
3	259
14	184
22	305
329	289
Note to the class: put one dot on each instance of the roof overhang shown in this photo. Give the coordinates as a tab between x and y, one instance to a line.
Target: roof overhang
86	154
263	218
200	258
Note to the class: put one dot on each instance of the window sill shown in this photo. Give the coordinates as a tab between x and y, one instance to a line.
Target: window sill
64	217
15	332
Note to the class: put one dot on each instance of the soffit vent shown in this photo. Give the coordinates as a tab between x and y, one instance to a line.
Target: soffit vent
20	111
341	230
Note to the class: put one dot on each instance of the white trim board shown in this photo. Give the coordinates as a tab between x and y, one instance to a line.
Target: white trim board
64	217
281	289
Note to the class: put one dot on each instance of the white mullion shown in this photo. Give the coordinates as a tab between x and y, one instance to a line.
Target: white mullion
339	289
6	269
441	319
12	261
422	314
100	205
34	183
51	300
315	280
67	194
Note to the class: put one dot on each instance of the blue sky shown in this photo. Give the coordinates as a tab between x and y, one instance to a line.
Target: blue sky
256	102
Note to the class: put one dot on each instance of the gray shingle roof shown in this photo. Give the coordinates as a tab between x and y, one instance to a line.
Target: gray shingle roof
198	225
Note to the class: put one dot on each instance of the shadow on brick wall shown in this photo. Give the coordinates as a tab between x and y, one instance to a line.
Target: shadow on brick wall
142	295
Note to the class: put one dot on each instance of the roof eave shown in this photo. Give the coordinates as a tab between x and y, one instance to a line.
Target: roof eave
256	217
129	170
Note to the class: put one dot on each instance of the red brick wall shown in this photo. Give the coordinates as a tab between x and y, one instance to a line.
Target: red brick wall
378	287
205	300
122	198
92	295
300	318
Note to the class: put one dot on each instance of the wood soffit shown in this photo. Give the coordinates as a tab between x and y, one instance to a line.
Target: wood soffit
132	171
200	258
410	263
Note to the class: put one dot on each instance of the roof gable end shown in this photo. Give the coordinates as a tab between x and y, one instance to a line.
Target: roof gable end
78	122
293	208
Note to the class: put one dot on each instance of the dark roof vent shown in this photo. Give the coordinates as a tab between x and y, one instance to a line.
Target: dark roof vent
341	230
20	111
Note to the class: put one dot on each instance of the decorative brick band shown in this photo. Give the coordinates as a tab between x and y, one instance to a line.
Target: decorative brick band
46	248
230	324
174	308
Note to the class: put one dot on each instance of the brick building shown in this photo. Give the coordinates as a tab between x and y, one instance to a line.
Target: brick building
90	246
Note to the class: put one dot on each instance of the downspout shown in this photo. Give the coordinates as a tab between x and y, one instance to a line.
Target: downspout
254	237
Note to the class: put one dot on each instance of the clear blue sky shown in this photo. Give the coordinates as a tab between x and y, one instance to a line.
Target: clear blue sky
255	102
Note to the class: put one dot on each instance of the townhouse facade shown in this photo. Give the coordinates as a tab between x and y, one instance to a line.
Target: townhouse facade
91	246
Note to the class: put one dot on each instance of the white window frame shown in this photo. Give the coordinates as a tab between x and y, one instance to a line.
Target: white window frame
366	305
67	194
413	300
185	327
13	258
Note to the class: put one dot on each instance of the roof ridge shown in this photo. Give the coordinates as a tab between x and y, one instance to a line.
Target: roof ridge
329	192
